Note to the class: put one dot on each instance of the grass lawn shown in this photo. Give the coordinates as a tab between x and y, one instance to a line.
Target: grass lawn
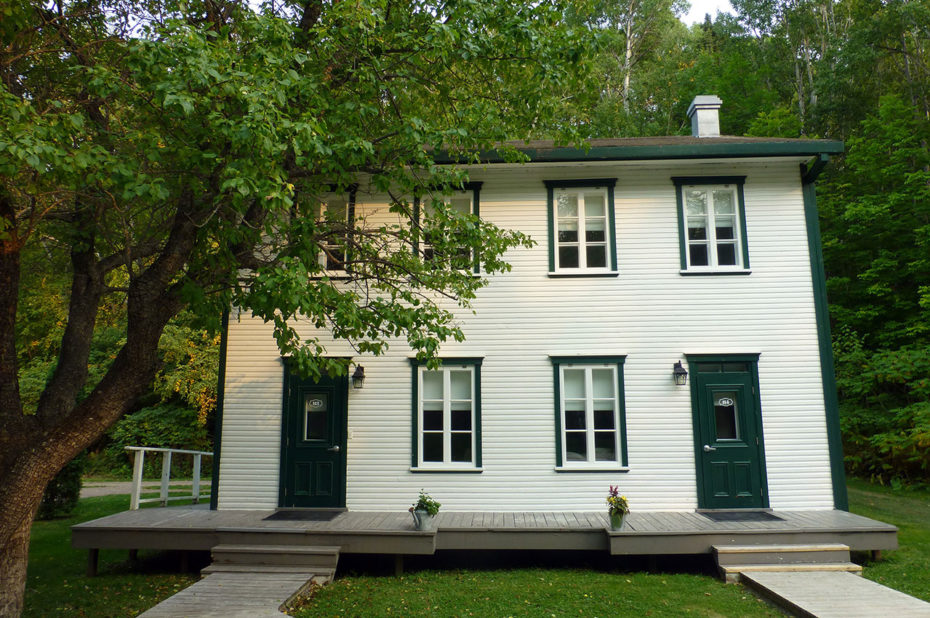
908	568
57	586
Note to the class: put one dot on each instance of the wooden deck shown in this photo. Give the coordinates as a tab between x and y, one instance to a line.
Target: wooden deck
644	533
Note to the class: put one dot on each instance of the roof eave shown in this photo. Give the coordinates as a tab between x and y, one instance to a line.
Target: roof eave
715	150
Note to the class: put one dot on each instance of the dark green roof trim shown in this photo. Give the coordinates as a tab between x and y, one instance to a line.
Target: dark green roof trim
811	170
710	150
218	419
822	315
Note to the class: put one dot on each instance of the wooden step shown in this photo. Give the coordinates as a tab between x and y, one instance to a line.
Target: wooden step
821	553
317	574
732	573
310	556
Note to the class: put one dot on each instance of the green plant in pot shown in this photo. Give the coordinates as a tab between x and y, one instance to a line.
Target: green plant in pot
617	507
423	511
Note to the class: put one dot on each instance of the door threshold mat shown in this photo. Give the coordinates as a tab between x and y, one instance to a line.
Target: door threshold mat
302	515
747	516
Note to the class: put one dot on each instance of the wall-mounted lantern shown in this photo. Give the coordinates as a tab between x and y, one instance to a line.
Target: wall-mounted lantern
358	377
680	374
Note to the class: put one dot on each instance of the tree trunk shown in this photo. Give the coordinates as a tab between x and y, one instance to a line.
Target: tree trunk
14	555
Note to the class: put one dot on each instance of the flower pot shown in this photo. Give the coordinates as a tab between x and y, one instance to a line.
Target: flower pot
616	520
422	520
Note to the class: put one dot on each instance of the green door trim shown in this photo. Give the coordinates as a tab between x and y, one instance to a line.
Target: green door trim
753	359
338	383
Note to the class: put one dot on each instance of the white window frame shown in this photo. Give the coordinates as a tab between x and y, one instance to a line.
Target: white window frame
447	431
735	186
470	191
323	257
619	429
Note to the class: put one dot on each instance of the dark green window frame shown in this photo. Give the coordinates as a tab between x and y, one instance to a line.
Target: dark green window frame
475	188
581	183
739	181
558	362
415	466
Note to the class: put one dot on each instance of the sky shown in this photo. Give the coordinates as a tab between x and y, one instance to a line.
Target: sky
700	7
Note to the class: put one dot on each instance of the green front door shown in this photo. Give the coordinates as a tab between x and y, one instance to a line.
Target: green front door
727	432
313	442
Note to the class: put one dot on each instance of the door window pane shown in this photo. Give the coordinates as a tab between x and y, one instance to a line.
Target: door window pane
316	416
725	415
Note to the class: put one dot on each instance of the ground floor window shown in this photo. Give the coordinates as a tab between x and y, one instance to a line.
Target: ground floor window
447	415
590	416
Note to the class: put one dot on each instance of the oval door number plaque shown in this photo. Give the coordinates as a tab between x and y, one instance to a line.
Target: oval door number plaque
724	401
316	403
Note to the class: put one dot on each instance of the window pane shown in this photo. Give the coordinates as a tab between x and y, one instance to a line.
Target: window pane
567	205
576	448
596	256
461	447
738	367
594	204
432	447
461	384
568	257
461	420
725	416
432	419
604	418
698	255
605	446
595	230
568	230
461	205
603	381
316	415
725	228
573	383
726	255
696	202
723	202
709	368
574	419
432	384
697	228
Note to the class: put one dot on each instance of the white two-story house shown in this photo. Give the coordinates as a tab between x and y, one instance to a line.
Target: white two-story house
655	258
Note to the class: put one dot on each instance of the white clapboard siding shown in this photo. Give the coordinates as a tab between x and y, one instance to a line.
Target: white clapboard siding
650	313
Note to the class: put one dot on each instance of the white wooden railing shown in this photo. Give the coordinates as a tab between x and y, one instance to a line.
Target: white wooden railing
138	464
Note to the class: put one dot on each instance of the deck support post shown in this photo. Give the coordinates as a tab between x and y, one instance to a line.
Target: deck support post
92	555
185	561
398	565
134	556
876	555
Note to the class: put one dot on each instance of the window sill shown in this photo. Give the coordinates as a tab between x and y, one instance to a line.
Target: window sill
597	469
583	273
700	273
420	470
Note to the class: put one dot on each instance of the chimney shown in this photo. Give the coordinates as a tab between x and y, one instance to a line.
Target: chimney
705	121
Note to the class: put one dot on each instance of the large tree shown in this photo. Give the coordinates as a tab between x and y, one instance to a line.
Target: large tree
174	156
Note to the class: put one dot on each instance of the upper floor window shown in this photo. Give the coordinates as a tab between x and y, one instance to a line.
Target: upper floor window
447	415
464	202
337	216
712	224
590	412
582	236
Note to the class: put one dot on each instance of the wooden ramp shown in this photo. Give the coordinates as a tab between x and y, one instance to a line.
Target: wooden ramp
234	595
834	595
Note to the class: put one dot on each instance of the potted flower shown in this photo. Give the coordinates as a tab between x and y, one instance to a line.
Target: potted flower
423	511
617	507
